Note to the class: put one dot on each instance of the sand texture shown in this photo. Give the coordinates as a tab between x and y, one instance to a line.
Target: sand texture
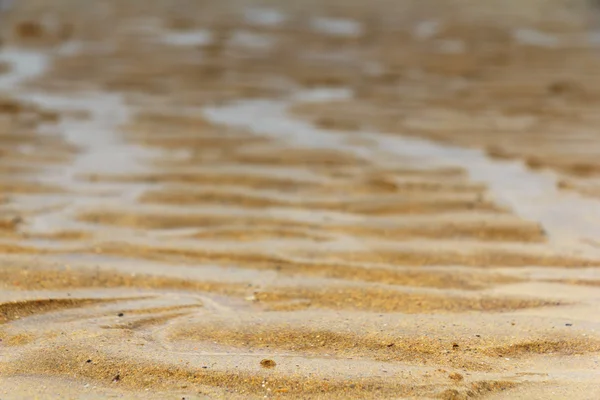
314	200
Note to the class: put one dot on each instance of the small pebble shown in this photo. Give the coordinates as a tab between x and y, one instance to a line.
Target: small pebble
456	377
266	363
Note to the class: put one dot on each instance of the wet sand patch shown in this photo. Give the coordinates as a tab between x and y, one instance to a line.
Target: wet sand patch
135	374
387	300
28	278
217	179
473	354
15	310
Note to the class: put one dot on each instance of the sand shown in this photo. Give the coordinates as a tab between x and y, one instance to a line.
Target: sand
316	200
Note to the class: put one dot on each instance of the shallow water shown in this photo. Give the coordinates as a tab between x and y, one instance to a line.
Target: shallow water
200	37
337	26
568	218
100	148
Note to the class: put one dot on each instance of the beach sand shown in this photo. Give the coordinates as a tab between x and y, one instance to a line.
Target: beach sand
319	200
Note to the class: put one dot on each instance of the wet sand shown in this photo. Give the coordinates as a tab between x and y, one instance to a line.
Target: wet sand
316	201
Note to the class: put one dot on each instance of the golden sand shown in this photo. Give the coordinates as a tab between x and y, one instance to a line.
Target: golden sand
231	262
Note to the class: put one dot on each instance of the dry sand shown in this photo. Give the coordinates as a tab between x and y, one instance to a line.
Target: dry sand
316	200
